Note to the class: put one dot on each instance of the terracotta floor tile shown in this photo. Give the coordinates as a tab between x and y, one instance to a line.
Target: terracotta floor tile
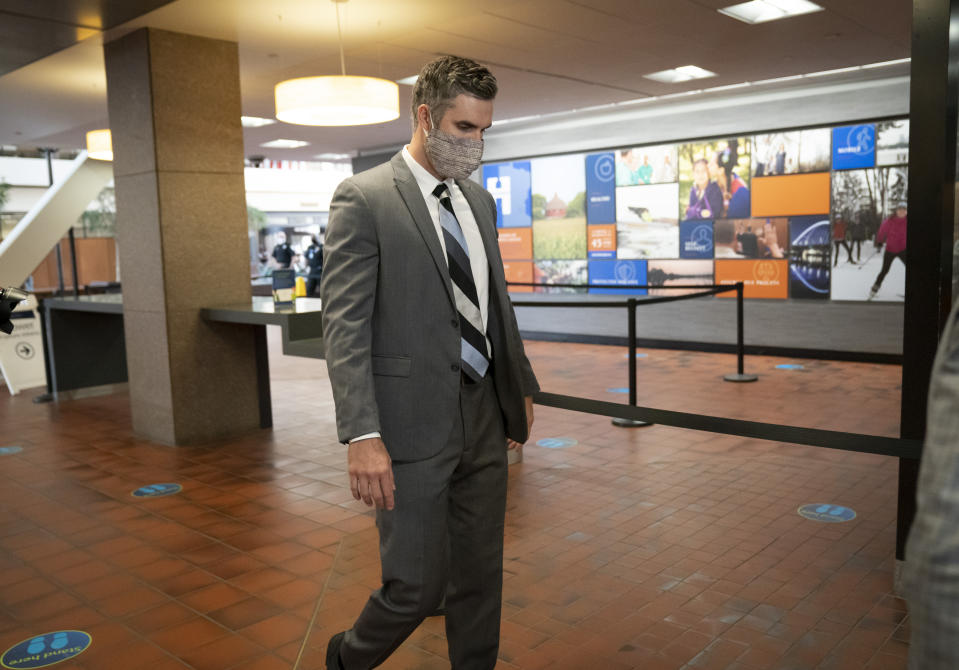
161	617
244	613
226	652
185	637
136	599
214	597
264	662
277	631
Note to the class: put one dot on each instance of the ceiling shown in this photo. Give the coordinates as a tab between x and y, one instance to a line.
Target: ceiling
548	55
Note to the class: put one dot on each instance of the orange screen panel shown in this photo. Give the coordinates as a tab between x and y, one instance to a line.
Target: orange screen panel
602	237
791	195
762	278
516	244
519	272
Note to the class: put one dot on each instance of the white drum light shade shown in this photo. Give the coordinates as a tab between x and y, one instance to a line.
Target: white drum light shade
337	100
100	145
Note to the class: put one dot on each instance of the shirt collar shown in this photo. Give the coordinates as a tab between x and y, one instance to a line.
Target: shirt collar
424	179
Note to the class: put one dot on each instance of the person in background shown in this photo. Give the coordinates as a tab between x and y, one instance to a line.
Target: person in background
892	233
627	168
705	197
644	174
931	572
283	253
748	241
839	235
769	241
724	240
722	170
781	159
314	265
857	235
263	268
666	172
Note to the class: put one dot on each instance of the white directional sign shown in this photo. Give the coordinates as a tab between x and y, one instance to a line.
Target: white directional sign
21	352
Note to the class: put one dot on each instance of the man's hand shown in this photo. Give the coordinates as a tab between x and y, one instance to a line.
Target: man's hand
371	473
512	444
771	238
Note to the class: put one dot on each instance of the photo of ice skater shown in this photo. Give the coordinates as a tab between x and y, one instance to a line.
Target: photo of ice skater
864	209
892	234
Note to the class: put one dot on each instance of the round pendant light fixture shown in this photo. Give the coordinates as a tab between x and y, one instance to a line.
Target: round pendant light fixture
100	145
337	100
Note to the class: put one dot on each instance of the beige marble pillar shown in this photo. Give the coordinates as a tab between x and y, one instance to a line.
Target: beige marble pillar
174	104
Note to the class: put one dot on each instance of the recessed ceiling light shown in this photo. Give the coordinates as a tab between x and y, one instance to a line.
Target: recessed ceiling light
255	121
760	11
683	73
284	144
408	81
332	157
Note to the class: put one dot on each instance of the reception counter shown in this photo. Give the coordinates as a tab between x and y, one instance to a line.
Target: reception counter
85	346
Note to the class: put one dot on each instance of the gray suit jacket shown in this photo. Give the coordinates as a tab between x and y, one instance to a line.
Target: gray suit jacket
931	572
390	325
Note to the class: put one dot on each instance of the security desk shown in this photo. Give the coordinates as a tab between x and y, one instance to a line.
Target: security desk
85	345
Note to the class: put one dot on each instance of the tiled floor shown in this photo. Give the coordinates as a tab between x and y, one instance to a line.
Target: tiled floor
651	548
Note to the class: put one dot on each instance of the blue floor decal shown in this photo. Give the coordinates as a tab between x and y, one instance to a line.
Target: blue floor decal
156	490
556	442
826	513
44	650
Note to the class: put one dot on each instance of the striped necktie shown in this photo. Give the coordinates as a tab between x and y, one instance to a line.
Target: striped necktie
474	350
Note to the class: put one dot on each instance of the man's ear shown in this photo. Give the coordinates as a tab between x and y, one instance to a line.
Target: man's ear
423	116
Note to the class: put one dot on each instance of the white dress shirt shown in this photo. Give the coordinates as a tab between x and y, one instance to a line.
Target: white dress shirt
479	264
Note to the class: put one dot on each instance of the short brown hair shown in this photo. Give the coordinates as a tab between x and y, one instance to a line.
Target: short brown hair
441	80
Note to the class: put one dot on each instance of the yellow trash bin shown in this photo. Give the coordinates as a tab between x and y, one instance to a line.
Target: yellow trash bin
300	290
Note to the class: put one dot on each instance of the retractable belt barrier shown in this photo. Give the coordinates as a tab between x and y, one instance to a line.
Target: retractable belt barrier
633	415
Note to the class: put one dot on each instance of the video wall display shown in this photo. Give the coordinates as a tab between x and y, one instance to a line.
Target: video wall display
815	214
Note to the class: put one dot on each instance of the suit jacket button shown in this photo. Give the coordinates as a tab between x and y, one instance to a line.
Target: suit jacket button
454	323
454	367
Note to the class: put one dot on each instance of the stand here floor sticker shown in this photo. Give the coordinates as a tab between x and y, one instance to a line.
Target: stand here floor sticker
45	650
826	513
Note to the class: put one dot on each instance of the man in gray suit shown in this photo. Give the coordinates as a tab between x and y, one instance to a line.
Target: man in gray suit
429	376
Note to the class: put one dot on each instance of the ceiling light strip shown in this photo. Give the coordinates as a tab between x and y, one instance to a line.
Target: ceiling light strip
715	89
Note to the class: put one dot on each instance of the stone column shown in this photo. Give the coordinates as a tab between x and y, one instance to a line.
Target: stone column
174	104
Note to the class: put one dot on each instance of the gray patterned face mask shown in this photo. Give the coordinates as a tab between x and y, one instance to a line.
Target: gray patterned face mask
456	157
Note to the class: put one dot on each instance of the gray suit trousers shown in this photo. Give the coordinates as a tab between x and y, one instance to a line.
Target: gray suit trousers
443	538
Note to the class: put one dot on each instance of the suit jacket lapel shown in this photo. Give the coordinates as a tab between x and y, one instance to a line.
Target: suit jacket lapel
413	197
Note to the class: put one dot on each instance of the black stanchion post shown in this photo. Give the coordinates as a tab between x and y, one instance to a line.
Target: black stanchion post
60	289
740	375
631	329
631	334
48	396
73	263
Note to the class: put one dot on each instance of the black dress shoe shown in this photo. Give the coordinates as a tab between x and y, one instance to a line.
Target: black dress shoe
333	661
